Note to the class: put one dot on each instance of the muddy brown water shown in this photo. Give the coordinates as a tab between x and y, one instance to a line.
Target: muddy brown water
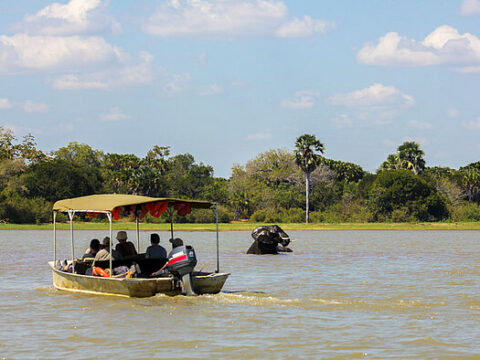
340	295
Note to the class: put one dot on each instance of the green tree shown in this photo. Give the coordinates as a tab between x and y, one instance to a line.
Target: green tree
471	182
80	154
7	148
185	178
345	171
28	151
409	156
117	170
402	190
273	168
60	179
241	192
305	157
157	157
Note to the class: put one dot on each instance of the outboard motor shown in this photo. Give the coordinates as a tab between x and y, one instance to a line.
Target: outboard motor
181	262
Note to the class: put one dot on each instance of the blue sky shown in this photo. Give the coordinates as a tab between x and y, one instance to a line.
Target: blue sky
226	80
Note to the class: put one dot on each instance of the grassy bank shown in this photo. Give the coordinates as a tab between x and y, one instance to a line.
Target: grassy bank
247	226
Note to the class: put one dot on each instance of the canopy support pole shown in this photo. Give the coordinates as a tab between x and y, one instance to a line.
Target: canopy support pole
171	224
218	256
138	234
109	216
54	238
71	214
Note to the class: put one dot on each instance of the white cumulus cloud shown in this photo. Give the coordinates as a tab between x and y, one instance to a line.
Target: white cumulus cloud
75	82
472	125
227	18
115	114
31	106
452	113
5	104
469	69
342	121
420	125
301	100
375	97
212	89
302	28
470	7
445	45
75	17
175	83
126	75
22	52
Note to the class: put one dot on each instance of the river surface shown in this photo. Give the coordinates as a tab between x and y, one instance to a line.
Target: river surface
340	295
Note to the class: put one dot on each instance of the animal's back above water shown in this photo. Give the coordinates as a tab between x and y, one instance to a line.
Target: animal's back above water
259	248
269	240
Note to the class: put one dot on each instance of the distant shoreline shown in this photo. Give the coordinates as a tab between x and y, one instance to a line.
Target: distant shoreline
246	226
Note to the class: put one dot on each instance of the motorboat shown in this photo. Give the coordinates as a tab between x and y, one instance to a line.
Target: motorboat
138	276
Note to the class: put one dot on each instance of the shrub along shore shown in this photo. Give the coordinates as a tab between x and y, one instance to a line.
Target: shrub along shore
249	226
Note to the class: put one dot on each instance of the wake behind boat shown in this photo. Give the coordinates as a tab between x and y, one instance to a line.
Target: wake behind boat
181	277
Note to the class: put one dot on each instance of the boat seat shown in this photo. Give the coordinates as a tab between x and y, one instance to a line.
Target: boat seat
148	266
81	266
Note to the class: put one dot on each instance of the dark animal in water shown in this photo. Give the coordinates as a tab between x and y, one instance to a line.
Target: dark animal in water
269	240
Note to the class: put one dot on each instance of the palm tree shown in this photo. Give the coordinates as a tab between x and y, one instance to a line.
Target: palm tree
471	181
411	156
308	160
392	163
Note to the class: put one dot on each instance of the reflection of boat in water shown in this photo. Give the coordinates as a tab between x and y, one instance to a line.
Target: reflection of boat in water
182	279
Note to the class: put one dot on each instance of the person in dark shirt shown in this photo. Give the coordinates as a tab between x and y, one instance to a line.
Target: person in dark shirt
92	250
124	247
155	251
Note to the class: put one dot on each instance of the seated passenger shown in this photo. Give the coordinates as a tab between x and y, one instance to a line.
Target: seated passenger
163	270
124	247
176	242
155	251
104	253
92	250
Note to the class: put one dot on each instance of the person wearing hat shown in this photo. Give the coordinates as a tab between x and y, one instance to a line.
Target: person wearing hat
155	251
104	253
176	242
124	247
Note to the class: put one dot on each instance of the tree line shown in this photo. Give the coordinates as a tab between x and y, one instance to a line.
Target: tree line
278	185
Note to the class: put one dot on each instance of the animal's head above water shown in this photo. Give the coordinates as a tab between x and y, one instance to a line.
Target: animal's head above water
271	235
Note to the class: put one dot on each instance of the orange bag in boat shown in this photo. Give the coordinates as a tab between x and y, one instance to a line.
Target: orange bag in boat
98	271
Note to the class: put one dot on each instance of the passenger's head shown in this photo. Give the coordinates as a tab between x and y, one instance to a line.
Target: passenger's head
95	245
176	242
122	236
155	239
106	242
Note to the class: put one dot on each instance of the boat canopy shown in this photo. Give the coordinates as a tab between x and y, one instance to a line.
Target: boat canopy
109	202
116	205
